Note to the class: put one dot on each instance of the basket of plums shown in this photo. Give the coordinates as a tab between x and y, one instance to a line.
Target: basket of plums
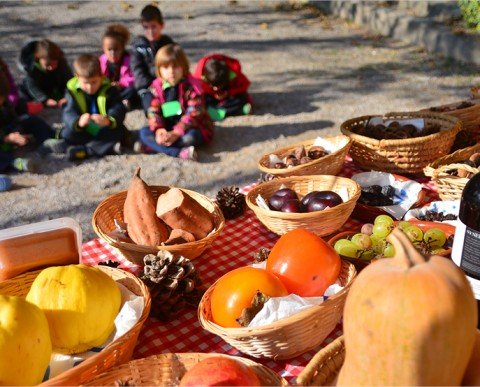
319	203
370	243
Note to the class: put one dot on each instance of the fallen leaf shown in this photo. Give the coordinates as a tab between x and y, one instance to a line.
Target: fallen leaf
264	26
126	6
73	6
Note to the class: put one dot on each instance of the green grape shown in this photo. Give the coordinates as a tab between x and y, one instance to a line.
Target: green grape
347	248
363	241
367	255
385	219
379	246
434	237
414	233
381	230
402	225
389	250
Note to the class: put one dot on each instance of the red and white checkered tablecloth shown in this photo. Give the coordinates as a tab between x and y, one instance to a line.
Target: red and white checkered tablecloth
233	248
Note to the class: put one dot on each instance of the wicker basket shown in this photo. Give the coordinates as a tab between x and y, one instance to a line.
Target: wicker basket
118	352
402	156
475	92
290	336
320	222
324	367
469	116
167	370
330	164
450	187
112	208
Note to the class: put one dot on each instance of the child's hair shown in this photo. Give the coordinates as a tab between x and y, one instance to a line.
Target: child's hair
150	13
4	85
171	53
217	73
46	49
118	32
87	65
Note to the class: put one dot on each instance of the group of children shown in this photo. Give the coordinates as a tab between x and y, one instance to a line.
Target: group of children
180	106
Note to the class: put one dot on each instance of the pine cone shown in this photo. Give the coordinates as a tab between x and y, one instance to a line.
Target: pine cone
231	202
173	282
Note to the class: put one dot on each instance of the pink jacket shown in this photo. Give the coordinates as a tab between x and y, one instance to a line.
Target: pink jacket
126	75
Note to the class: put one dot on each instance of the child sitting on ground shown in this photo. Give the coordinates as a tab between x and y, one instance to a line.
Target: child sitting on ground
47	73
115	63
13	96
144	50
224	85
93	115
18	133
178	120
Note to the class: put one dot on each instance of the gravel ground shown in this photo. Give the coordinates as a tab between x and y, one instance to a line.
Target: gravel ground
309	73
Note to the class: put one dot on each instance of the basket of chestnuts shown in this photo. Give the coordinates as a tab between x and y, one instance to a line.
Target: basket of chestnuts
450	173
401	143
307	158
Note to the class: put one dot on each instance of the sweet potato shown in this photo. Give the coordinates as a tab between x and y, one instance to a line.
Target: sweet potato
180	211
143	226
178	236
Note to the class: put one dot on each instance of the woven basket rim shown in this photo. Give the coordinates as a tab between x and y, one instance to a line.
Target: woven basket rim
392	142
250	197
296	168
475	101
218	218
346	267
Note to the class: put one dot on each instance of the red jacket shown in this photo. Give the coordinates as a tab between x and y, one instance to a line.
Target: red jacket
237	85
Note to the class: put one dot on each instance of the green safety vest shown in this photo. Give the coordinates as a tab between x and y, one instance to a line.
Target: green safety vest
73	86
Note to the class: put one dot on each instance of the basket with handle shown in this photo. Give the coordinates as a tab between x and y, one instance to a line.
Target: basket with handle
168	369
450	187
118	352
319	222
288	337
330	164
324	367
469	115
401	155
111	209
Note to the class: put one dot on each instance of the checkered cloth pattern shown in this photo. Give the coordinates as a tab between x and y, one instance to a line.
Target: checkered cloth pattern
240	238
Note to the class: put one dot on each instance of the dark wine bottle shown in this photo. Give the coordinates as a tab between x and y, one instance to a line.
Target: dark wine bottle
466	243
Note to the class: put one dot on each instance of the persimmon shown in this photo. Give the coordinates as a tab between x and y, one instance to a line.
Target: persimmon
304	262
235	291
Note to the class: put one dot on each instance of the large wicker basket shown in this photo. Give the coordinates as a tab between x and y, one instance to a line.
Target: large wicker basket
402	156
330	164
324	367
168	369
118	352
470	116
450	187
320	222
290	336
112	209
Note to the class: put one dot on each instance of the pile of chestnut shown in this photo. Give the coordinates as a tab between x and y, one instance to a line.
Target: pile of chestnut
287	200
298	156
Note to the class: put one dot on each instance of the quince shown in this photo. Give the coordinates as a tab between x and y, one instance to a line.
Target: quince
25	346
80	303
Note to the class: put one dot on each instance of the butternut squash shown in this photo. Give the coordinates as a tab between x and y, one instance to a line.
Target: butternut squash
408	321
472	374
143	225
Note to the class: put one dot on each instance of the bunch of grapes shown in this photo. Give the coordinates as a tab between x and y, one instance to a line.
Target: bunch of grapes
370	243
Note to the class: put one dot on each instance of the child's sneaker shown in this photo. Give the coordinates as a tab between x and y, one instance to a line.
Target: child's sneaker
77	152
117	148
54	145
138	147
5	183
24	165
188	153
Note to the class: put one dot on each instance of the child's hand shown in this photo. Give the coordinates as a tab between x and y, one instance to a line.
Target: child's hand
152	122
220	95
100	119
16	138
84	120
161	135
62	102
171	138
51	103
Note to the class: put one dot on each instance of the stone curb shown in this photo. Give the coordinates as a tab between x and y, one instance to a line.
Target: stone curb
422	31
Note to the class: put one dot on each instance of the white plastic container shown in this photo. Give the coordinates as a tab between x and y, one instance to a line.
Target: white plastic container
50	243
